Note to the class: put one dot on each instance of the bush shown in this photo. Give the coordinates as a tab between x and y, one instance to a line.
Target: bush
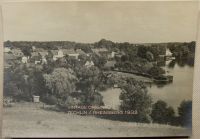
96	100
156	71
185	113
50	100
161	113
7	102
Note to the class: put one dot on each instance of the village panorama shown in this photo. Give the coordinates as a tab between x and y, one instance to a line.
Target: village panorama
104	88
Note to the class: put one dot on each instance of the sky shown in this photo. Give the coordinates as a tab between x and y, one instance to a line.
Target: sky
136	22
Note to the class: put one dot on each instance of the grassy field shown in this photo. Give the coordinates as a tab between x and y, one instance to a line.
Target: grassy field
30	120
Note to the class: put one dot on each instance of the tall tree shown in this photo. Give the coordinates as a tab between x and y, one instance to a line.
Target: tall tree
134	96
161	113
185	113
90	83
61	82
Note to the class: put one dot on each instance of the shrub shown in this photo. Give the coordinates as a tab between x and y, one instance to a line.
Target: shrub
7	102
156	71
50	100
185	113
161	113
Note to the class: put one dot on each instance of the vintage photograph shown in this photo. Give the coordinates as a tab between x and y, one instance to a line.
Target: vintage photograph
98	69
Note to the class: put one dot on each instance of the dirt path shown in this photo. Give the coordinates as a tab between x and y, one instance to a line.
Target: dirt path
29	120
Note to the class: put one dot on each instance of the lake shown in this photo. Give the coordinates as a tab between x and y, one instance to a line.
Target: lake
180	89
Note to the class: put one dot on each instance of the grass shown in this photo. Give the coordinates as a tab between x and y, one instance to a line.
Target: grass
30	120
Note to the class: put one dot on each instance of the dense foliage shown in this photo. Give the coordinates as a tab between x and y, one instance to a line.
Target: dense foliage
134	96
67	81
185	113
161	113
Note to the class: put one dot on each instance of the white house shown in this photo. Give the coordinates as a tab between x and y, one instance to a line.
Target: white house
89	64
37	61
17	52
6	50
59	55
44	60
71	53
168	52
33	48
75	55
24	59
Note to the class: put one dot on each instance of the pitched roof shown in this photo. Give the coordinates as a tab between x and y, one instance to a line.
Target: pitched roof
110	63
43	53
54	52
34	54
80	51
69	51
99	49
40	50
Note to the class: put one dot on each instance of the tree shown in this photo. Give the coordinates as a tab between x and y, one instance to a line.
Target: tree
161	113
15	83
99	61
27	51
90	82
149	56
11	90
191	46
124	58
83	58
156	71
61	82
134	96
142	51
37	83
8	43
185	113
49	57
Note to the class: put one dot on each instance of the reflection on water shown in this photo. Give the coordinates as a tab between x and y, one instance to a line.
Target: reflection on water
180	89
172	64
181	63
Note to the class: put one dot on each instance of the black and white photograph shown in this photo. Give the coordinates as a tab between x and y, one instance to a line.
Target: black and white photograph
98	69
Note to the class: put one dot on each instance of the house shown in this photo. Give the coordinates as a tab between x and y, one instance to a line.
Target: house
54	52
37	62
43	54
168	53
71	53
33	48
80	52
119	54
113	54
110	64
17	52
101	51
39	51
44	60
7	49
89	64
58	54
39	58
34	54
25	59
9	59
